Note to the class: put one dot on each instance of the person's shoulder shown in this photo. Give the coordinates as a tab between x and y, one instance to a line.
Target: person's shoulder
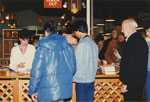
90	42
31	46
108	40
136	37
112	42
52	37
15	47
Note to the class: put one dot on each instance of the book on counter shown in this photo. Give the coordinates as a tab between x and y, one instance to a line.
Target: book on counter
108	69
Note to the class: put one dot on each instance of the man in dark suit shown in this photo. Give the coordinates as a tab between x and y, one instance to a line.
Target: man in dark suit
133	66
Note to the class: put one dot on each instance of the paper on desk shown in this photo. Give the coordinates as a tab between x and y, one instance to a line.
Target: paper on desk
21	70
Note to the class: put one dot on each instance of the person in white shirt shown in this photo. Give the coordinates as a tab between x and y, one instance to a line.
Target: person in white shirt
22	55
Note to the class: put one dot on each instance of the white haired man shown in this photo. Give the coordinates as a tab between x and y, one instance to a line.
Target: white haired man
133	66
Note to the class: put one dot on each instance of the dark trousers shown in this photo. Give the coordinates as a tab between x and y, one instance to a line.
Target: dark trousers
148	86
84	92
133	95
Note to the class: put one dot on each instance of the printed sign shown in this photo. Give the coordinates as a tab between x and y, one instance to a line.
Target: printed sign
52	3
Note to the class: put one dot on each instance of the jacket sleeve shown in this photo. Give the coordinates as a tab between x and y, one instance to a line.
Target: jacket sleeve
37	69
73	60
109	53
13	58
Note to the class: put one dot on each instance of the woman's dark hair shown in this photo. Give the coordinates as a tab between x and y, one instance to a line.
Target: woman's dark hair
24	34
50	27
147	27
80	26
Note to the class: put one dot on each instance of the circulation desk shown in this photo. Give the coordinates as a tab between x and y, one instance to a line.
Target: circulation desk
14	88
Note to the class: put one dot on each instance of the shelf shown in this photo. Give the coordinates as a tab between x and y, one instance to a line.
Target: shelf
10	39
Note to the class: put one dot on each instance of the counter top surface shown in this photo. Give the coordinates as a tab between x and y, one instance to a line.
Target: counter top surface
13	74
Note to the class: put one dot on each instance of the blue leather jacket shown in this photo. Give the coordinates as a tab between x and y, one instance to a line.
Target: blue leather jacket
52	70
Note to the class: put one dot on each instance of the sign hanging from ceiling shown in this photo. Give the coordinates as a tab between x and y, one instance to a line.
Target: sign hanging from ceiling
52	3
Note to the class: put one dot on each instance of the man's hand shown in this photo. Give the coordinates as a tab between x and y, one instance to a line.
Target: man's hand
34	97
124	88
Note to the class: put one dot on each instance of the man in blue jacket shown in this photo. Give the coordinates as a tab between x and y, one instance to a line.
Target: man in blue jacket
53	67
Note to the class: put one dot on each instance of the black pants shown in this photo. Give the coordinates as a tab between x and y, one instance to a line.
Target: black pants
133	95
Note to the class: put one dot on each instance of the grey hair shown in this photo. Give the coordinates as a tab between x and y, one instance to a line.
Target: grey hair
130	22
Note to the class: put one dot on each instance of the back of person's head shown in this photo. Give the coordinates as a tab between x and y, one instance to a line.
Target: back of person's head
80	26
50	27
68	29
130	22
147	27
36	38
23	34
120	34
121	37
99	37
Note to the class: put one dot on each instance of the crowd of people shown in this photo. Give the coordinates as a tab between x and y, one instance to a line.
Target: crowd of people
54	64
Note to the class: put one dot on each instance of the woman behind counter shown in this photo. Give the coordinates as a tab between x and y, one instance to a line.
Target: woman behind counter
22	55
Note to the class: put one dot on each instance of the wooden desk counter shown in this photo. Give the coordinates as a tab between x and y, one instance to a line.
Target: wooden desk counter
13	75
14	87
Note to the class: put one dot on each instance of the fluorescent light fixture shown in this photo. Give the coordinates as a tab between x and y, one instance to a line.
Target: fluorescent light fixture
139	28
110	20
100	24
95	27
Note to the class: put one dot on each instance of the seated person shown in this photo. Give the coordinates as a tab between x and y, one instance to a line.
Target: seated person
22	55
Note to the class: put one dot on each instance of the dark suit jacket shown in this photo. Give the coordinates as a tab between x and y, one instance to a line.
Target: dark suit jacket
133	66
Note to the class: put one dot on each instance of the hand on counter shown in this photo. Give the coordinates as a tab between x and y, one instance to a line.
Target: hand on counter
34	97
21	65
124	88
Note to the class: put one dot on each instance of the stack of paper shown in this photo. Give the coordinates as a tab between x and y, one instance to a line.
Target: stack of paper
108	69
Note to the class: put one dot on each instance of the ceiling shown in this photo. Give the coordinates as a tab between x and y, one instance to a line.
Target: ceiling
118	9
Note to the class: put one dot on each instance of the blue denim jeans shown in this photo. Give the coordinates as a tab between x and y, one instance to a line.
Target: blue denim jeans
85	92
148	86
